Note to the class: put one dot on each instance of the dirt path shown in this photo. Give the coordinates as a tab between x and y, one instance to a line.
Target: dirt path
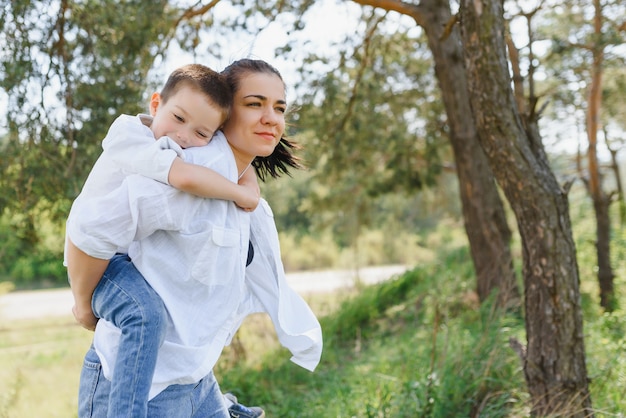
58	302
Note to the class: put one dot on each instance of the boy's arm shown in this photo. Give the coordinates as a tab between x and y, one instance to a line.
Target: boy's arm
85	273
131	144
204	182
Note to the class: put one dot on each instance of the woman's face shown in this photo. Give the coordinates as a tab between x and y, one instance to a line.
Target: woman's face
257	120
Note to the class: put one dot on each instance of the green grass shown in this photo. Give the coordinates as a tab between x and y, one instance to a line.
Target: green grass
40	365
420	346
416	346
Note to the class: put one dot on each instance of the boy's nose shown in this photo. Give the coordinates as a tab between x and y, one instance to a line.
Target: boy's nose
182	138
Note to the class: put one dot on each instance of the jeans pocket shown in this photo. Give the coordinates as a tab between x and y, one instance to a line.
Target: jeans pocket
88	389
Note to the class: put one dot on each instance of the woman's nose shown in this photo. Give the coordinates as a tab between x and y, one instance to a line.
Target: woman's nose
270	117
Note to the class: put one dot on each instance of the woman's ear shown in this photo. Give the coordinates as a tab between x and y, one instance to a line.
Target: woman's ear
155	101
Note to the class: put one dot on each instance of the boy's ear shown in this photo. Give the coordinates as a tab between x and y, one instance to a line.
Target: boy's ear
155	101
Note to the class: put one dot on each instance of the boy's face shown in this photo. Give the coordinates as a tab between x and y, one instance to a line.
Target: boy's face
188	117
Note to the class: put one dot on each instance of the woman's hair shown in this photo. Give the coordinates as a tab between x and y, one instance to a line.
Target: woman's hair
282	159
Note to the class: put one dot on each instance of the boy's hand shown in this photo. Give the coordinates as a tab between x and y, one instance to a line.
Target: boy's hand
250	191
85	317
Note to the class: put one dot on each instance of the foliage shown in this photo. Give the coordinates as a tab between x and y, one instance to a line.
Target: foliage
372	125
31	266
566	38
68	68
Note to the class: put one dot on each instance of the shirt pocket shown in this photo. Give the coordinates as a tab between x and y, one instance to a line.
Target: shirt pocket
218	257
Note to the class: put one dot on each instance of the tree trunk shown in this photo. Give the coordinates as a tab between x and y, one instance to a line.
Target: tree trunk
484	217
483	210
601	201
554	363
603	251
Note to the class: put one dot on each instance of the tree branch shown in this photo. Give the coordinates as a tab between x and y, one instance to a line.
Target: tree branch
396	6
192	11
367	42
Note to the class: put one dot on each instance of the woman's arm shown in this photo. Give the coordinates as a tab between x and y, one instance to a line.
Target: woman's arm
204	182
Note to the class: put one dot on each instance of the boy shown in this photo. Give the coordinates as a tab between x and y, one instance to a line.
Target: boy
193	104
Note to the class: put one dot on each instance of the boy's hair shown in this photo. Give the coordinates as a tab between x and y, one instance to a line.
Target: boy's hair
203	80
283	157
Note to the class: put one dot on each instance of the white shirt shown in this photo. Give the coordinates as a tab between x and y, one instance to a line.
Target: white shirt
128	148
267	291
192	251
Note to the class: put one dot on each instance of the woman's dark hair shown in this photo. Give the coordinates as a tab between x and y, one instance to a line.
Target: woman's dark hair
282	159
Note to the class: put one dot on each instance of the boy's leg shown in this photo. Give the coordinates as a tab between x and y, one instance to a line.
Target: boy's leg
124	298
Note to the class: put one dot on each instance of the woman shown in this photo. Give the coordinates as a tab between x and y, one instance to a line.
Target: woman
193	252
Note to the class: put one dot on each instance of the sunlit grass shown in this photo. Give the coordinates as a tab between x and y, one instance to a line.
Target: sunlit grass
40	364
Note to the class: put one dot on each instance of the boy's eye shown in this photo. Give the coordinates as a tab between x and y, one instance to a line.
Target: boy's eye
178	118
202	135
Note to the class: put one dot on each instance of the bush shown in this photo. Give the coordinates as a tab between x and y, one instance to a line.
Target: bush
36	269
308	253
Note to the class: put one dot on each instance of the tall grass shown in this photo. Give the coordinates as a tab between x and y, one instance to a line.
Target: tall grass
415	346
421	346
418	345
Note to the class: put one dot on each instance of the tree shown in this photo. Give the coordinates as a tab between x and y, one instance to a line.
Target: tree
554	357
582	54
373	127
67	75
483	210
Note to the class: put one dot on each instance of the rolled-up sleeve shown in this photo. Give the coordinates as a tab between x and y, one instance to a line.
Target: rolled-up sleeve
132	146
100	226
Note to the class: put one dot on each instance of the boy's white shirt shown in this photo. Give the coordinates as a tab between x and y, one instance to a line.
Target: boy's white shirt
193	251
128	148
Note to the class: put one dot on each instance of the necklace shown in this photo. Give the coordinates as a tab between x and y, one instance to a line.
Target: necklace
244	171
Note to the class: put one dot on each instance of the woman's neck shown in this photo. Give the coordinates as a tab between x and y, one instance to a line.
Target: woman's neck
243	161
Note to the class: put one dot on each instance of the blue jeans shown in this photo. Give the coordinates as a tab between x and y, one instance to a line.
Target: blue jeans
198	400
124	298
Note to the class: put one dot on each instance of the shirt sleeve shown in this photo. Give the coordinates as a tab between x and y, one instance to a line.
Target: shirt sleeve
131	145
296	326
136	209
